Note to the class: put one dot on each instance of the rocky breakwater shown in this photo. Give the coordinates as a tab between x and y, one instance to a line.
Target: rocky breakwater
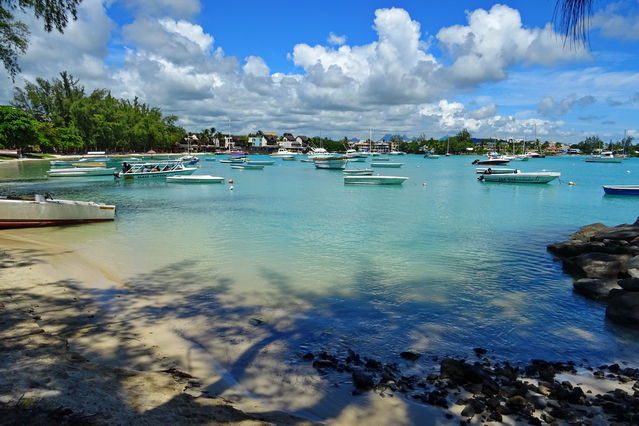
605	264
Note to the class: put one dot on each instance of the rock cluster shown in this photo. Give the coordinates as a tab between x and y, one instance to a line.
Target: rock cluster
605	264
484	390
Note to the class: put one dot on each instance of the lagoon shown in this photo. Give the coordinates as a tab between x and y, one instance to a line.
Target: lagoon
441	264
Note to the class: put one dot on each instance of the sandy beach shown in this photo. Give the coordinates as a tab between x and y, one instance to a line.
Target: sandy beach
47	315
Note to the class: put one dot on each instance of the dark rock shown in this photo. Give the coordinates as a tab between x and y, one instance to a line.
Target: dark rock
353	358
468	411
623	307
585	233
495	417
596	265
574	248
373	365
621	232
321	364
363	381
479	351
632	267
594	288
308	356
409	355
461	373
629	284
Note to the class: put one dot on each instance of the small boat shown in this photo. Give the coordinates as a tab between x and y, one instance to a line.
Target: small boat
605	157
153	170
387	165
81	171
534	154
44	211
355	156
397	153
358	172
382	159
522	177
189	159
248	166
260	162
306	160
282	152
491	161
375	180
431	156
621	189
88	164
330	162
287	157
234	160
495	170
10	153
82	162
210	159
195	179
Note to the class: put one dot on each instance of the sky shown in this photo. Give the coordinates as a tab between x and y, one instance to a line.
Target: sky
347	68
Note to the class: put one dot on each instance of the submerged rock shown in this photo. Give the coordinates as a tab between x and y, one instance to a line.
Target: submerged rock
596	265
594	288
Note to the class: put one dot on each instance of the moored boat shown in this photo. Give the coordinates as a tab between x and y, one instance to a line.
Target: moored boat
45	211
248	166
330	162
495	170
195	179
386	165
260	162
522	177
153	170
282	152
81	171
605	157
10	153
490	161
621	189
375	180
358	172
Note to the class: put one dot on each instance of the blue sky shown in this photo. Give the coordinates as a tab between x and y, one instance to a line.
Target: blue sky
340	68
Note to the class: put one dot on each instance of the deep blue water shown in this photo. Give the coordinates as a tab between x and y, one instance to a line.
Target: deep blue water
441	264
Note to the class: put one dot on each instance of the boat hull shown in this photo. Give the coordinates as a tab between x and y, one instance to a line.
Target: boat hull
621	189
541	177
153	175
360	172
603	160
41	212
374	180
80	172
248	166
388	165
491	162
494	170
338	163
195	179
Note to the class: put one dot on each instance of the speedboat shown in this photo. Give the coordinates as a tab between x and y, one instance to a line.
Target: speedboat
358	172
248	166
330	162
521	177
490	161
81	171
387	165
397	153
375	180
282	152
495	170
189	159
355	156
42	210
195	179
153	170
260	162
621	189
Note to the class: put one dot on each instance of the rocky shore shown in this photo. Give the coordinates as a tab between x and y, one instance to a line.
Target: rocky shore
480	390
604	261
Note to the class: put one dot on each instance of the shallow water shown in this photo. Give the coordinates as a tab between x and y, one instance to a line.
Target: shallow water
440	264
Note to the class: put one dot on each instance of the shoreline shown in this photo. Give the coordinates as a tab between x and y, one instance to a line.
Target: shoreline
57	335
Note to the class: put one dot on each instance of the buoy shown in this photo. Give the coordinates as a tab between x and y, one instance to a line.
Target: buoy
231	187
424	184
572	183
231	180
627	171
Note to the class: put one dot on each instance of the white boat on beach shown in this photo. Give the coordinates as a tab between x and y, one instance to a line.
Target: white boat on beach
81	171
44	211
358	172
521	177
195	179
14	153
160	169
387	165
375	180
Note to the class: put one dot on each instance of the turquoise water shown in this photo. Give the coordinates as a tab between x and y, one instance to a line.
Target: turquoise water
441	264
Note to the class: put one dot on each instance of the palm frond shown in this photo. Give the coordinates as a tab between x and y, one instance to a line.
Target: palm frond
573	18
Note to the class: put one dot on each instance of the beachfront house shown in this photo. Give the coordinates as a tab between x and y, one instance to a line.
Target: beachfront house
290	142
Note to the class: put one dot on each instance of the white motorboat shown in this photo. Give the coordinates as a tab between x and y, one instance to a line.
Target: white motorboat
522	177
375	180
605	157
153	170
248	166
358	172
195	179
387	165
260	162
189	159
330	162
81	171
397	153
44	211
355	156
282	152
495	170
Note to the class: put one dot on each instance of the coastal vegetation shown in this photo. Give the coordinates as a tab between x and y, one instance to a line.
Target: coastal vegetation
59	116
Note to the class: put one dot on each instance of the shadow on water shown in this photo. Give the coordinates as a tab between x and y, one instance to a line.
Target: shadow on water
344	316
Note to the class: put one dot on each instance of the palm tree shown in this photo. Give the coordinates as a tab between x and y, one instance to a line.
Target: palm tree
573	17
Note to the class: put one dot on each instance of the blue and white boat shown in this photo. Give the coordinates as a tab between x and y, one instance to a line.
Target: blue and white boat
621	189
330	162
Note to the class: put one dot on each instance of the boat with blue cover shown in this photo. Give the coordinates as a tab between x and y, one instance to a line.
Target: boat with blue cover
621	189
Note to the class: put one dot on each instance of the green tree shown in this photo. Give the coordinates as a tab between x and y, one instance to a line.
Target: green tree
17	128
14	35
